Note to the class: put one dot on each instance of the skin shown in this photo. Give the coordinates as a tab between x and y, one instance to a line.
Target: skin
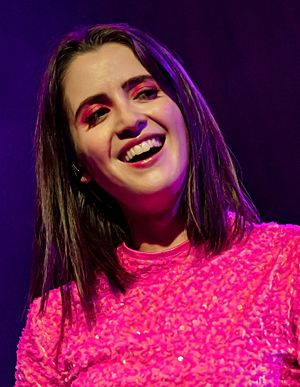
127	107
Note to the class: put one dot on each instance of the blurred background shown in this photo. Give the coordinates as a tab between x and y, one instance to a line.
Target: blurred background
245	58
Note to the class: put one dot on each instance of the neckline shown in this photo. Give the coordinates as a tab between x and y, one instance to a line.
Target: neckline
181	247
143	261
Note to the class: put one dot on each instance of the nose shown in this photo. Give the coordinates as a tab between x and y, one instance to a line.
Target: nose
130	123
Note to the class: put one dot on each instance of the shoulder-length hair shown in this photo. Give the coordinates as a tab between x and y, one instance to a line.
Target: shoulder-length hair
79	226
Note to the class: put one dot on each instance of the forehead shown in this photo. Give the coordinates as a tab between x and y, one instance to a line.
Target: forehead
100	71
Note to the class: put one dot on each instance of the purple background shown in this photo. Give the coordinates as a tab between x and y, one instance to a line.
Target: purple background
245	57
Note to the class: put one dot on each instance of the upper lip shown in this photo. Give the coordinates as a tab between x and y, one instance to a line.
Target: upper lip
136	141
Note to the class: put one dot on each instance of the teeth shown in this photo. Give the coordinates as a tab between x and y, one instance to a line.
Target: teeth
144	146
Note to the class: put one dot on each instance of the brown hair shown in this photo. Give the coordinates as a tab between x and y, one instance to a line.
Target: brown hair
79	226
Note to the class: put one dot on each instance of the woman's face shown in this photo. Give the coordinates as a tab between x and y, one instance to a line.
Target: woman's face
129	135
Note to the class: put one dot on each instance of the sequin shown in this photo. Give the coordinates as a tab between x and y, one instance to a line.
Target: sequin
230	320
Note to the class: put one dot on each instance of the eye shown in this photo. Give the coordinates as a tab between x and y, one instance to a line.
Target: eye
147	94
97	116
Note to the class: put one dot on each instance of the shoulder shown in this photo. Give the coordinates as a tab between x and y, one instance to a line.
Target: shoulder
43	326
271	244
276	235
273	227
46	324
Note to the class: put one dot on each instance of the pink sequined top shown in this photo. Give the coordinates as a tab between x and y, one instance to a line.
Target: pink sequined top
231	320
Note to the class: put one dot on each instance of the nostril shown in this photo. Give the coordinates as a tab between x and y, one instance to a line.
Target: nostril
141	124
132	131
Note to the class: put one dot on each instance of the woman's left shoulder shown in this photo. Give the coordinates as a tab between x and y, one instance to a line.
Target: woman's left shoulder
285	237
277	231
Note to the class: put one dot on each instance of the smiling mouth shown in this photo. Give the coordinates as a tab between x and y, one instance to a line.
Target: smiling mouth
144	150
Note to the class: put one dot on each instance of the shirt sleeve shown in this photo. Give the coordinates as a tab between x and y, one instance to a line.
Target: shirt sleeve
36	353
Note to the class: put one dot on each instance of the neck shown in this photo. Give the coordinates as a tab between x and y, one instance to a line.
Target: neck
156	232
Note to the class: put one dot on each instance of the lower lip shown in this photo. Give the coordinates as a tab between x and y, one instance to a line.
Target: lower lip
148	162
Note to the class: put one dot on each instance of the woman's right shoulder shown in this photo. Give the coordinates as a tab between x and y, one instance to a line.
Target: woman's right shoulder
44	322
51	316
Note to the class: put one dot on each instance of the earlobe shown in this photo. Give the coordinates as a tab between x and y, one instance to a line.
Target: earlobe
85	179
80	175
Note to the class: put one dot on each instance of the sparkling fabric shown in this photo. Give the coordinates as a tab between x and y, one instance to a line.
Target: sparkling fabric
188	320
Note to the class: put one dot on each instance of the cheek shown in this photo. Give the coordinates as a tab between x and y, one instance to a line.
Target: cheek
92	154
175	119
92	146
178	125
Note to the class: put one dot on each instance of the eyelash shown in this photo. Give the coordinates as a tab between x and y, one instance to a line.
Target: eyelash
96	116
149	94
144	95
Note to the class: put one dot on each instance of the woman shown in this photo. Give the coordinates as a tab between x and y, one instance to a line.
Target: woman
151	267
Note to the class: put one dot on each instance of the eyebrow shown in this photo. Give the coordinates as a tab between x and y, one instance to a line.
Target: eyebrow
103	98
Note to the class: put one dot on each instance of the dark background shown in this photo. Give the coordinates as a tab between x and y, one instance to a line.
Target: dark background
245	57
